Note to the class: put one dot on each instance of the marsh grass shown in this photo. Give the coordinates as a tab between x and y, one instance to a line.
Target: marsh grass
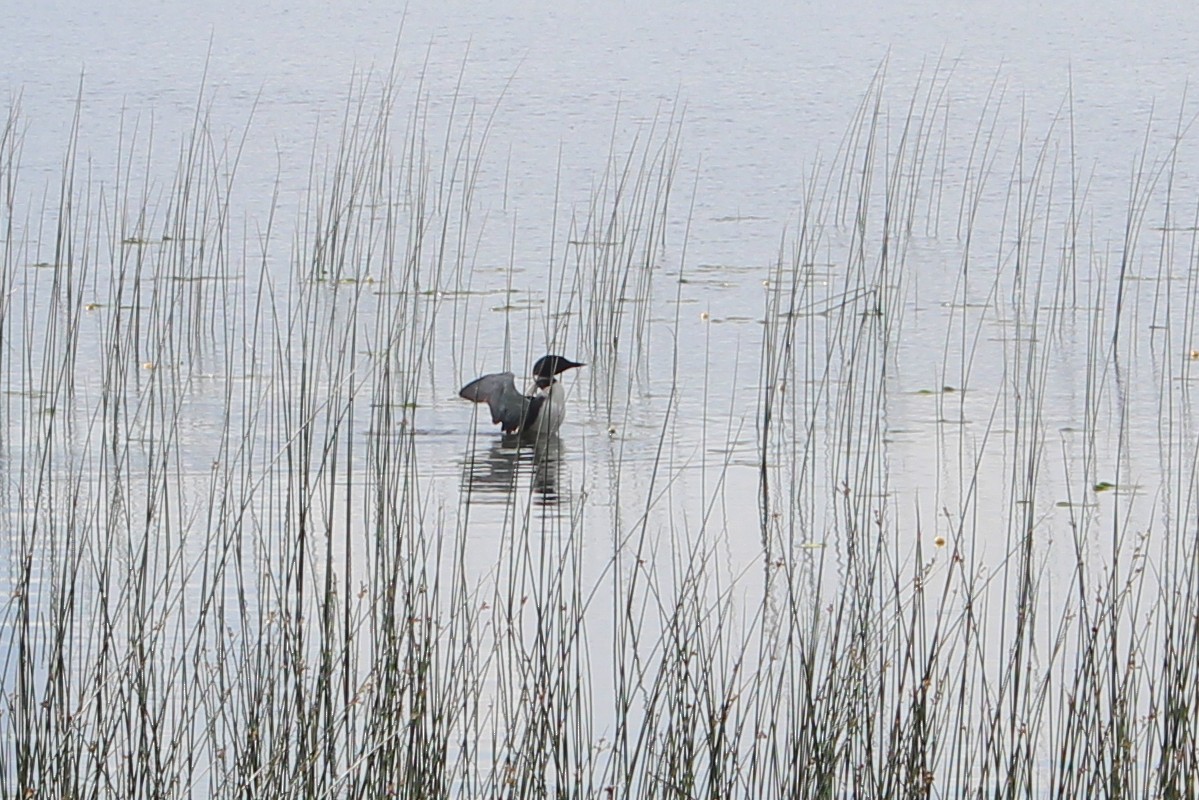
233	571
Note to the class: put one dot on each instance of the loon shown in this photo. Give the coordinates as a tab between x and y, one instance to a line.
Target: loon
528	416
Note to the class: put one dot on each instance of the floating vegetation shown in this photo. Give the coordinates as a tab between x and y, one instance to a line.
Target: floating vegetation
741	218
206	278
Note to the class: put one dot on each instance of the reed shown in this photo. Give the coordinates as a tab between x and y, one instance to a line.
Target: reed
238	563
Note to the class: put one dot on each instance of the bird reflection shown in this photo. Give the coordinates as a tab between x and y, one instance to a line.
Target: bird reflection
494	470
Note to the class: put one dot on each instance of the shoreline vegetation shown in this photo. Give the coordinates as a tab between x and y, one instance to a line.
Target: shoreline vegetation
232	570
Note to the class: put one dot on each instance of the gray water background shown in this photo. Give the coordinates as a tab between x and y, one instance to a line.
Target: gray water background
763	97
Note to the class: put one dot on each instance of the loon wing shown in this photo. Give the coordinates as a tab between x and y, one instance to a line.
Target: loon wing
499	392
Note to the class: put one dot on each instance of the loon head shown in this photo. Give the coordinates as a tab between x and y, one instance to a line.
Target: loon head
547	367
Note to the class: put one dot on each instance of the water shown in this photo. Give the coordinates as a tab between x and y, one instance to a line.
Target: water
915	397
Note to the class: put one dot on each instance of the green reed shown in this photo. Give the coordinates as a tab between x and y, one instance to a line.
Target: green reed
232	570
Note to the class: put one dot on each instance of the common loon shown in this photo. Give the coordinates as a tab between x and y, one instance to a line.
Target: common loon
537	414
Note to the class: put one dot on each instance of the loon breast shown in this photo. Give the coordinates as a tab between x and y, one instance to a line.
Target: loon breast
547	409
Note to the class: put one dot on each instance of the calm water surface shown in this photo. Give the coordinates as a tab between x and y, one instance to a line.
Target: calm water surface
1060	105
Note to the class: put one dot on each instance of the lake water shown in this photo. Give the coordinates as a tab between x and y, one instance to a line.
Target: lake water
951	249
